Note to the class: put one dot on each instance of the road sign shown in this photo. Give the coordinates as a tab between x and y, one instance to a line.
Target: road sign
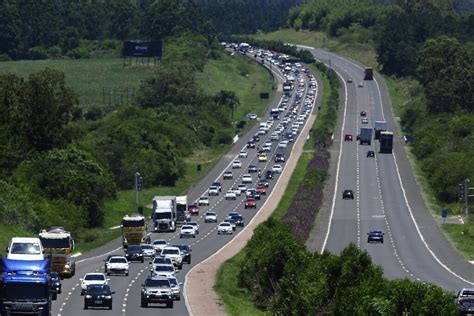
444	214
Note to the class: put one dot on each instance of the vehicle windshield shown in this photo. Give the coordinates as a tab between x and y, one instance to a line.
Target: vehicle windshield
25	249
157	283
187	227
210	214
173	281
25	291
94	277
166	267
138	223
149	247
98	288
134	248
118	260
55	242
166	215
160	242
170	252
225	224
162	260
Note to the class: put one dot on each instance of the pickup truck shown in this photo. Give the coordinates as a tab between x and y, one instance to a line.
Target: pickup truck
465	301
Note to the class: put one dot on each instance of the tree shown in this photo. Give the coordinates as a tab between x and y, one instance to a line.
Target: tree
9	29
227	98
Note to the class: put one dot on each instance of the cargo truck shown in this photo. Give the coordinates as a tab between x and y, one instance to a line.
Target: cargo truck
365	136
164	213
368	73
25	287
58	246
379	127
182	210
134	230
386	142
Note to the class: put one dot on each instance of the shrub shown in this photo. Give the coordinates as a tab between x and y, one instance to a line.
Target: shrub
37	53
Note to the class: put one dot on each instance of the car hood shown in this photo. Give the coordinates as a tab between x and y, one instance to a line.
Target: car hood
158	290
85	283
117	265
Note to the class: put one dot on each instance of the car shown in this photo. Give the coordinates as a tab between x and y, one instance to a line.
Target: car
230	195
251	144
261	189
370	154
254	194
118	265
228	175
249	192
236	164
174	253
250	203
348	138
279	157
159	244
187	231
157	290
134	252
231	222
361	84
238	219
266	148
246	178
213	191
277	168
252	116
159	260
347	195
236	190
93	278
242	187
349	80
175	288
243	154
269	175
252	169
193	209
56	286
465	300
262	158
148	250
195	225
255	138
283	144
363	113
224	228
218	185
203	200
263	182
210	217
365	121
98	295
185	252
375	236
166	270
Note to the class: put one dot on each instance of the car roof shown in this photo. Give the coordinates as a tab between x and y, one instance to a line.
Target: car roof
375	232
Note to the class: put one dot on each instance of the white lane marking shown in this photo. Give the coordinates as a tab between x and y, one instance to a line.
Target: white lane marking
95	257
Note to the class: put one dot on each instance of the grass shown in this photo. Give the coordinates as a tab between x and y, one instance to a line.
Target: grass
462	236
87	77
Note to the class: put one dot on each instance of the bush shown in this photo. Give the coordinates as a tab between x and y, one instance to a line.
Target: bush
37	53
5	57
55	52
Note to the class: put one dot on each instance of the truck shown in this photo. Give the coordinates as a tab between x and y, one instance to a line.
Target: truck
25	248
25	287
182	215
58	246
134	230
379	127
368	73
386	142
164	213
365	136
465	301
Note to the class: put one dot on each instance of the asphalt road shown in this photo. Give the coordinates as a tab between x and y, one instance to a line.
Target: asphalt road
126	300
387	197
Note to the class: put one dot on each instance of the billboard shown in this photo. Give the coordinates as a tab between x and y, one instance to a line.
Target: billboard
142	48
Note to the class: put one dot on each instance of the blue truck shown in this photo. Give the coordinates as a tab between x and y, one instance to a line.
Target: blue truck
25	287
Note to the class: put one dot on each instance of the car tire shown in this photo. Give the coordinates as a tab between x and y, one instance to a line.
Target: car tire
108	273
144	303
189	261
218	232
110	306
143	260
85	307
180	236
126	274
178	298
169	304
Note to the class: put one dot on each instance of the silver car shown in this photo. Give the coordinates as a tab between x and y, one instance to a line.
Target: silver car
175	288
148	251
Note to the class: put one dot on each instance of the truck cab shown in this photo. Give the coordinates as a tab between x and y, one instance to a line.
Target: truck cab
25	248
134	230
58	247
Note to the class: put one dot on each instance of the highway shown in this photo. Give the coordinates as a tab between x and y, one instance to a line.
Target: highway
126	300
387	197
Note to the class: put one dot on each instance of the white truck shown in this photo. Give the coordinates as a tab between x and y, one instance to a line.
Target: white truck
182	214
164	213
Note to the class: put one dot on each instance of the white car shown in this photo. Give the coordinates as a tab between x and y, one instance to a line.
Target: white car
159	260
174	253
247	178
275	137
224	228
175	288
242	187
252	116
203	200
195	225
243	154
93	278
236	164
283	144
159	244
236	190
365	121
148	250
230	195
277	168
210	217
117	265
187	231
165	270
213	190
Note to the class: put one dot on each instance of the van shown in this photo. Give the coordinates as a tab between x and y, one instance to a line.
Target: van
25	248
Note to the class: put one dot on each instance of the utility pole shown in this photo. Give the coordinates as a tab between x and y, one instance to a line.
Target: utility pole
464	196
138	186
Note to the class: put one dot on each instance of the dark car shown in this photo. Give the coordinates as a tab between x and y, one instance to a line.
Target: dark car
193	209
349	80
256	138
363	113
279	157
134	253
256	195
251	145
370	154
157	290
107	260
375	236
250	203
238	219
252	169
231	221
263	182
55	284
217	184
347	194
185	252
98	295
348	138
269	175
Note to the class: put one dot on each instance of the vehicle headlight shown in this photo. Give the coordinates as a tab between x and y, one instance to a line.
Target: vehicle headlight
88	296
108	297
67	266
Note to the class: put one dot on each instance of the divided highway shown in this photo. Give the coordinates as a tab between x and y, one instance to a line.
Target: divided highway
386	195
126	300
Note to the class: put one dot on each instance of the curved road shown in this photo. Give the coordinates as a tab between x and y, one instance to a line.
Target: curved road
386	194
126	300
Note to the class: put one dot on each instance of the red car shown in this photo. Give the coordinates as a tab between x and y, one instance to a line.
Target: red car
261	189
348	138
193	209
250	203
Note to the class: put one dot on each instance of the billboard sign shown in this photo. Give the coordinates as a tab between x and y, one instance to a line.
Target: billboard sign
142	48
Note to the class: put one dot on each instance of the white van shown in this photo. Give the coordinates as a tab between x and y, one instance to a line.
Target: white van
25	248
